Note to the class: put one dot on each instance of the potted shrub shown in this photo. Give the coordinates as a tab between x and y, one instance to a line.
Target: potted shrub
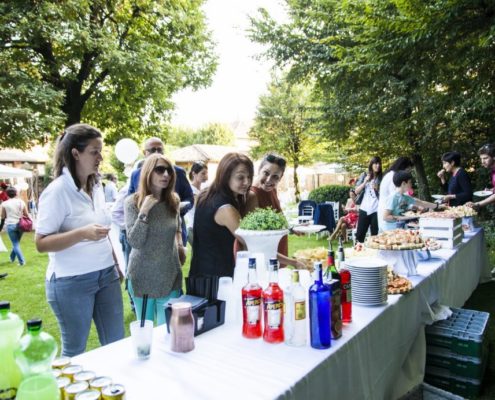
262	230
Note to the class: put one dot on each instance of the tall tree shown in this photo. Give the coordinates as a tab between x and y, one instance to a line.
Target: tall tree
285	123
212	133
396	77
114	63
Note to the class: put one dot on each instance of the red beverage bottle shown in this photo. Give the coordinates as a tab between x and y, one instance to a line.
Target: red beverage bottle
273	306
346	299
251	304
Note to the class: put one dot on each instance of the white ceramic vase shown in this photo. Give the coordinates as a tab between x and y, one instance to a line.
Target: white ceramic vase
263	245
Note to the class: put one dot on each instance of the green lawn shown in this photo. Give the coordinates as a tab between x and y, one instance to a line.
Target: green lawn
24	288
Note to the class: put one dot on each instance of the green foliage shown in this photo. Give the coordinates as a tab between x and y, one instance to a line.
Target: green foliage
393	78
286	122
113	63
264	219
213	133
338	193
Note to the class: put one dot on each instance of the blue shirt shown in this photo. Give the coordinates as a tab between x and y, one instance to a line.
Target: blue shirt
398	204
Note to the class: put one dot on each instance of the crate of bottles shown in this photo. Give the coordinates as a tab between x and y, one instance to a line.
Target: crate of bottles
465	366
462	333
444	379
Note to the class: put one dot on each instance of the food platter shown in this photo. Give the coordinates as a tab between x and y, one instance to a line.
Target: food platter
437	196
397	239
483	193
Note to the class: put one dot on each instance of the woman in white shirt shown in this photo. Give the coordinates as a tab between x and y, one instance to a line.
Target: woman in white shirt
82	279
367	190
12	210
387	187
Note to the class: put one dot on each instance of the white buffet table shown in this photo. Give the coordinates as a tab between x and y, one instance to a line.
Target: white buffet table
380	356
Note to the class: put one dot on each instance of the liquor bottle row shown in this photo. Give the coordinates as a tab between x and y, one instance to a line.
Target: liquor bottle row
280	315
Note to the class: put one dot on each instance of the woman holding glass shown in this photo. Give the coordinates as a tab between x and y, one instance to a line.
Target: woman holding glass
155	236
82	279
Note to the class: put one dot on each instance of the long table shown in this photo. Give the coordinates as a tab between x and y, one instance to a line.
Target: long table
380	356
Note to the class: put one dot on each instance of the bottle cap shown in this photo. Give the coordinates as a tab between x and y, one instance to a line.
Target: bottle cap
252	262
317	265
33	324
273	264
4	305
295	276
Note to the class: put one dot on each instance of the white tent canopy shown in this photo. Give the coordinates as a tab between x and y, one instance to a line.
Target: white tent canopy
10	172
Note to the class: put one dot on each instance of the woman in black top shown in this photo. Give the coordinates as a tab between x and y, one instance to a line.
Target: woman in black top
458	186
218	212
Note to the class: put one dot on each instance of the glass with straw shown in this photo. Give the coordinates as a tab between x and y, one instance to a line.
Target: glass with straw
142	333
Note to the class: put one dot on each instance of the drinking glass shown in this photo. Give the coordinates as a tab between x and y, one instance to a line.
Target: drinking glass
39	387
142	338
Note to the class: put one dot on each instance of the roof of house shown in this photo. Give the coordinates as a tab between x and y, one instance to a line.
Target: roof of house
35	155
202	152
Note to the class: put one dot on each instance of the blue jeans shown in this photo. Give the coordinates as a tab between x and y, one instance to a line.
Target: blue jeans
15	235
155	308
76	300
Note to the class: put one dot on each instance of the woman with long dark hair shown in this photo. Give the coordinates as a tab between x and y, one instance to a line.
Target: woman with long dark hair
82	279
387	187
155	236
367	190
218	213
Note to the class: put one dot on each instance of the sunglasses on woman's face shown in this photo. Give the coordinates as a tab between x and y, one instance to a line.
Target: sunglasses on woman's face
152	150
160	169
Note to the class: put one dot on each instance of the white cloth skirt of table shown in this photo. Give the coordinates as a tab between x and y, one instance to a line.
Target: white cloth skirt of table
380	356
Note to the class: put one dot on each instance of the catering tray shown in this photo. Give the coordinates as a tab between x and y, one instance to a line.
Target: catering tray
462	333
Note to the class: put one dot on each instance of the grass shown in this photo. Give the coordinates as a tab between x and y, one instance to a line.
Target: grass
25	289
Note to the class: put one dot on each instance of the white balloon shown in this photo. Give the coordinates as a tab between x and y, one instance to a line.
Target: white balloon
126	150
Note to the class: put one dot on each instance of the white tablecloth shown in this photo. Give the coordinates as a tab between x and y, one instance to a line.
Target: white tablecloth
380	356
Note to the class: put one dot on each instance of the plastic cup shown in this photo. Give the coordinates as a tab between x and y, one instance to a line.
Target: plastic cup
224	288
39	387
142	338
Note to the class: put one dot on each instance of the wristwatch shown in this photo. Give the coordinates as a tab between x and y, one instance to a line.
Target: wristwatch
143	218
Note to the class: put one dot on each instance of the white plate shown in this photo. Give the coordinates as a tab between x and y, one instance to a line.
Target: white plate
483	193
309	228
437	196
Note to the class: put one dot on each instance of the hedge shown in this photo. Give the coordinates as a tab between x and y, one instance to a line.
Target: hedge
338	193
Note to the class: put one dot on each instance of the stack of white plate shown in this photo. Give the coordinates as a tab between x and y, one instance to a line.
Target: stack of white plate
368	280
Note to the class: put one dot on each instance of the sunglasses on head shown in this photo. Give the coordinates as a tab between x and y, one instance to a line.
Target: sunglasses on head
160	169
155	150
276	160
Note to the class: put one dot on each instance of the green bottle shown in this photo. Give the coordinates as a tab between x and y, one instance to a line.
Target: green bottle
11	327
34	355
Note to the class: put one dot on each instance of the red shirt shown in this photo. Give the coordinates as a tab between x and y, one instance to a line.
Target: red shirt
3	196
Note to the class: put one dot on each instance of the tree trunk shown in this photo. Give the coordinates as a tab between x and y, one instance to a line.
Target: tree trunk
296	183
424	189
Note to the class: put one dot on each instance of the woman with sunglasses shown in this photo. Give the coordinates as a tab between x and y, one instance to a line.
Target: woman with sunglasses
197	176
154	234
270	173
218	212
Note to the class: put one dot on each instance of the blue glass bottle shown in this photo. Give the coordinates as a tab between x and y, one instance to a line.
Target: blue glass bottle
319	311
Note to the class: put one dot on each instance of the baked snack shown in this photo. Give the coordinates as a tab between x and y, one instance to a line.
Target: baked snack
397	284
397	239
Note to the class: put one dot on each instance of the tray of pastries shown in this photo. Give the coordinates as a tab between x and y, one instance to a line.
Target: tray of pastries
309	256
397	284
396	239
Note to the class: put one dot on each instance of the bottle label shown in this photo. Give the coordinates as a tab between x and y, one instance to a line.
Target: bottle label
300	310
252	305
274	311
8	394
346	292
